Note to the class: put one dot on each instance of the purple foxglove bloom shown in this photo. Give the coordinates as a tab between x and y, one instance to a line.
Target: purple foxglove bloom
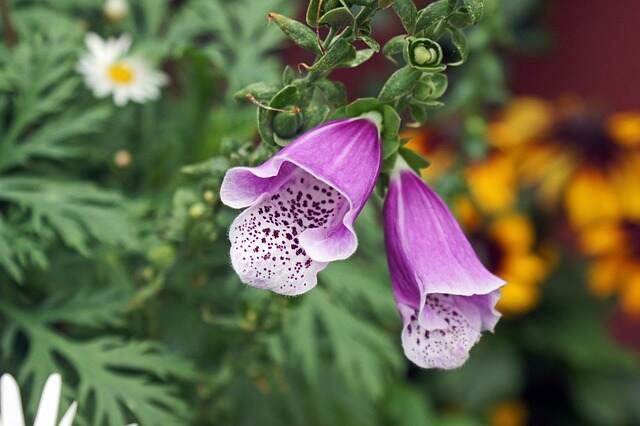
445	296
301	204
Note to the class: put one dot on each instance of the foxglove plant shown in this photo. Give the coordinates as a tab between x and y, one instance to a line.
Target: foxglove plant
300	205
444	294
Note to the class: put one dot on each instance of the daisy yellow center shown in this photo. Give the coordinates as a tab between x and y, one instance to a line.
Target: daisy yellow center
121	73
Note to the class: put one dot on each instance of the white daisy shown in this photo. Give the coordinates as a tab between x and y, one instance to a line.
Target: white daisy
11	413
108	70
115	10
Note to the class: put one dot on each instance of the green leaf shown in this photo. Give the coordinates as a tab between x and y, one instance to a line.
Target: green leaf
371	42
77	212
337	18
459	41
313	12
431	86
413	159
339	53
362	56
333	91
394	47
260	91
299	33
114	374
362	353
400	83
406	11
432	16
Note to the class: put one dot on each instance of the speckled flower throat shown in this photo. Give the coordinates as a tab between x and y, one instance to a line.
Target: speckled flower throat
450	326
265	239
300	205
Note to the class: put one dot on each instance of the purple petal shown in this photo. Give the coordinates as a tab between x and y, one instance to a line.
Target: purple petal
301	205
432	262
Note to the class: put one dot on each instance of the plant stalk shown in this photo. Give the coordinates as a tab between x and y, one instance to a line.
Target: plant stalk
8	29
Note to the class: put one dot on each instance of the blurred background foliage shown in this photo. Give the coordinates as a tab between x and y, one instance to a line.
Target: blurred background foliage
114	260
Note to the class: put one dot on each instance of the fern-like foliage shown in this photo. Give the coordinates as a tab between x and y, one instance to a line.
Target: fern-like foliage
44	125
117	379
240	38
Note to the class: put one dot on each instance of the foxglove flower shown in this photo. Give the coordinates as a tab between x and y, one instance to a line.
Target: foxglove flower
445	296
300	205
11	413
109	70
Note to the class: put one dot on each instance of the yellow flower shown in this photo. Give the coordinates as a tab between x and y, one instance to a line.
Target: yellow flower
630	295
574	157
493	183
625	180
467	213
604	276
601	238
615	250
429	145
590	198
524	119
509	413
508	246
624	128
513	231
517	298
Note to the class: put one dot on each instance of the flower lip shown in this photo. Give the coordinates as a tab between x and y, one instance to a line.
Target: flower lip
241	178
301	205
445	296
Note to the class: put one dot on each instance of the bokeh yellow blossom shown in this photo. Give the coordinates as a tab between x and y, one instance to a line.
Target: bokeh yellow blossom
624	127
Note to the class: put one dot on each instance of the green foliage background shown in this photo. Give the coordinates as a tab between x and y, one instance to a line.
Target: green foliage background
119	277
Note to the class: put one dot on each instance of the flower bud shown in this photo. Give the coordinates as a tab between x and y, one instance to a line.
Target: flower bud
209	196
115	10
197	210
162	255
287	124
431	86
122	158
424	54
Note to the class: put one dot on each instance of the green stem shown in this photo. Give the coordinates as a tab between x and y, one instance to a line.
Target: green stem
9	31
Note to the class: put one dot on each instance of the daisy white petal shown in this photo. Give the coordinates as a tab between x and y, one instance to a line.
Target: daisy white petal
48	407
67	419
107	70
10	403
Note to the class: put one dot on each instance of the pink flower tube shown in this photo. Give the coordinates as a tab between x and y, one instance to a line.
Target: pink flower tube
300	205
444	294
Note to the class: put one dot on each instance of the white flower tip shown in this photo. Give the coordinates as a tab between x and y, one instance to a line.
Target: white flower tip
67	419
10	403
375	117
400	165
49	401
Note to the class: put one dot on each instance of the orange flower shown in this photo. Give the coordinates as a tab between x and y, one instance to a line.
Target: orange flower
509	413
